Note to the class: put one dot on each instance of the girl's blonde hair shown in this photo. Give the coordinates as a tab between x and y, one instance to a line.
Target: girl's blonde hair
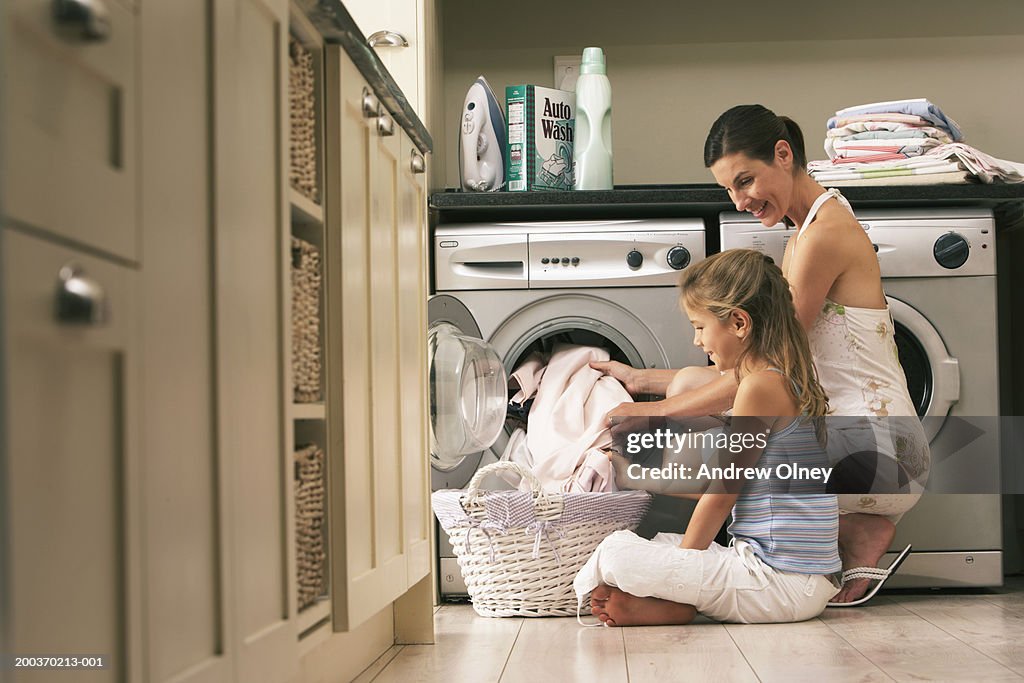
744	279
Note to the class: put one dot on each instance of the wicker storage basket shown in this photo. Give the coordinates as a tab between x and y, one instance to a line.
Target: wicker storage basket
305	322
309	523
519	551
302	106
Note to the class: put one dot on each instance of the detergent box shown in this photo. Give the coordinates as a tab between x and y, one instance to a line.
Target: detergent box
540	133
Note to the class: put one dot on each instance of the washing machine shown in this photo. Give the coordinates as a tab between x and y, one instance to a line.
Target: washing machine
504	290
938	271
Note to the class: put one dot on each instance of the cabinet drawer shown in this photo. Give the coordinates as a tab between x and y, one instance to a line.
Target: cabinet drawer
70	395
71	166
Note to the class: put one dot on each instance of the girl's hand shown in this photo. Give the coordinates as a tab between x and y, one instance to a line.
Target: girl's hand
629	376
634	417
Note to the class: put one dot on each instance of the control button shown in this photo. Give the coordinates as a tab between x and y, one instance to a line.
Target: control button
634	259
471	106
575	260
951	250
448	244
875	247
545	260
565	260
678	258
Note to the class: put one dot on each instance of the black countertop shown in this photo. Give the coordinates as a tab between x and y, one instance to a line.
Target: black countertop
335	24
1007	201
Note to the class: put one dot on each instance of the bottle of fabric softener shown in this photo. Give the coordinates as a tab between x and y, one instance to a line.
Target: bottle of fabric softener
593	146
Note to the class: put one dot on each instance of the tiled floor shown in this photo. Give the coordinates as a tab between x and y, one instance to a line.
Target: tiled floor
975	636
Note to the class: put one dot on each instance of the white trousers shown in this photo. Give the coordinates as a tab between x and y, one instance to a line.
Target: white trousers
724	583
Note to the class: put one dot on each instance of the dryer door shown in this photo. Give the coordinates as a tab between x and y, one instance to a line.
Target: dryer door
933	376
468	386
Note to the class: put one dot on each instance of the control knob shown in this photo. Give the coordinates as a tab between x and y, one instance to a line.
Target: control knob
634	259
678	258
951	250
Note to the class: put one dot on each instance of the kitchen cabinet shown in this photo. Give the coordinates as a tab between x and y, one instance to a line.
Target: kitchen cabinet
70	349
72	491
376	280
147	454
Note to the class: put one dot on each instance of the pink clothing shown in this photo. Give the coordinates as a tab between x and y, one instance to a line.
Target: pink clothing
566	426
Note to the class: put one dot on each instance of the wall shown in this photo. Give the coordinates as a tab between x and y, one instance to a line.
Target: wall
674	67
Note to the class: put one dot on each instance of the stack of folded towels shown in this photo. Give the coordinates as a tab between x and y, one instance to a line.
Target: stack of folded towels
904	142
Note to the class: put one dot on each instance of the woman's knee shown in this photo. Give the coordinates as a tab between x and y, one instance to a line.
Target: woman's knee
689	379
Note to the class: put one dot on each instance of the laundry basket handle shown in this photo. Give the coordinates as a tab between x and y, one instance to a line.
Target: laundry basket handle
473	490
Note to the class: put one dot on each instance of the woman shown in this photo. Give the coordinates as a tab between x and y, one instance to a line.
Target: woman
833	273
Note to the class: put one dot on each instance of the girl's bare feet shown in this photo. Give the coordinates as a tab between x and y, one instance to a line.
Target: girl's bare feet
618	608
863	539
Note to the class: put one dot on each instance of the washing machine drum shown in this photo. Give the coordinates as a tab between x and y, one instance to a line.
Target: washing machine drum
468	395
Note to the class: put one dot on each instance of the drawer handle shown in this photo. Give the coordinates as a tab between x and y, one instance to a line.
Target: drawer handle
80	299
385	124
417	163
85	20
387	39
370	104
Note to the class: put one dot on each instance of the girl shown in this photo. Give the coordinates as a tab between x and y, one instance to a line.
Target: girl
777	569
831	266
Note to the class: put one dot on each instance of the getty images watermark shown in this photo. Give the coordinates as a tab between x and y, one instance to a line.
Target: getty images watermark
863	455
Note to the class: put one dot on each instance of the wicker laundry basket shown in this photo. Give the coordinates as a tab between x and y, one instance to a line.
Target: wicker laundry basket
302	114
306	278
311	558
520	550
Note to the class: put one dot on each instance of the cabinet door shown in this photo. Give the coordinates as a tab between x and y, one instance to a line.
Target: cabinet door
411	251
405	17
250	59
369	566
71	112
72	470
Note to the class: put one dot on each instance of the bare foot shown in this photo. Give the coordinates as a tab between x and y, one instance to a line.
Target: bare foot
618	608
863	539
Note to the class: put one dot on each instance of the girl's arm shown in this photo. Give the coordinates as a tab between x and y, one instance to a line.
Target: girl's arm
708	517
637	381
713	398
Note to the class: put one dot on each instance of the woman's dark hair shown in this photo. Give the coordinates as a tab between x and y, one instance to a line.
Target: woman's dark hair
753	130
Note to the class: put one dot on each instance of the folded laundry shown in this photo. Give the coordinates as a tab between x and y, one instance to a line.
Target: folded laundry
918	107
959	177
912	140
947	158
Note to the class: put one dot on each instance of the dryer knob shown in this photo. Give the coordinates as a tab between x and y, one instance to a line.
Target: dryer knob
951	250
634	259
678	258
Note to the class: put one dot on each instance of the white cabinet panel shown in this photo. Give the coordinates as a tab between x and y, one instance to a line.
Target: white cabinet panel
249	39
72	402
376	277
73	160
406	18
411	253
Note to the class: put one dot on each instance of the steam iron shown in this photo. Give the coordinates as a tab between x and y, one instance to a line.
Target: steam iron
483	156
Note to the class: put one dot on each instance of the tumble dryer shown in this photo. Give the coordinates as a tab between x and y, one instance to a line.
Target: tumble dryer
939	275
508	289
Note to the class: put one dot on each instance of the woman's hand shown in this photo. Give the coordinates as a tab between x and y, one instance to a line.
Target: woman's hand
630	377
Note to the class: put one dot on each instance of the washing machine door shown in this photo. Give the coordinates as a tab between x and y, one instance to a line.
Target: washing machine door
468	386
933	376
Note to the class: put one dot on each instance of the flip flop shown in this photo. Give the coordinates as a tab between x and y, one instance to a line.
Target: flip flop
880	576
